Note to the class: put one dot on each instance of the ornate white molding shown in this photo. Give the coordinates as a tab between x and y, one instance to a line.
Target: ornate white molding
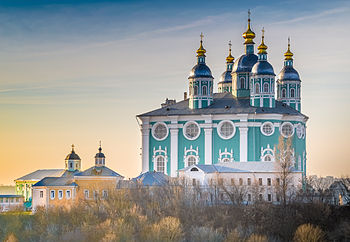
223	156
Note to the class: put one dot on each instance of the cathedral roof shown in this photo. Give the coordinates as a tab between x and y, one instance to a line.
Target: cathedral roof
98	171
72	155
226	77
224	103
288	73
245	63
200	70
263	68
152	178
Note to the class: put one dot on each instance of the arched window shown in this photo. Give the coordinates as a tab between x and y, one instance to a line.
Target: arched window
191	160
195	92
283	92
266	87
242	83
160	164
267	158
257	88
226	160
204	90
292	92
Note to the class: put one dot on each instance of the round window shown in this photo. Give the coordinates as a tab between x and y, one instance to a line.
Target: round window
287	129
160	131
226	129
191	130
267	128
300	130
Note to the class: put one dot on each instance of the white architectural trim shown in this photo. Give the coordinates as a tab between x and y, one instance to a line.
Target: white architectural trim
191	153
208	143
243	148
287	123
160	153
145	145
267	123
219	129
267	152
174	134
184	130
225	155
154	127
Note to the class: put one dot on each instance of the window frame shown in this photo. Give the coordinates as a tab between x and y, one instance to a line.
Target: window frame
266	87
70	194
58	194
156	163
218	129
154	126
188	123
52	194
281	129
262	128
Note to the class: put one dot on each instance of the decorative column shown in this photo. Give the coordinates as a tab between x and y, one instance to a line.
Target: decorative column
208	145
174	134
243	152
145	129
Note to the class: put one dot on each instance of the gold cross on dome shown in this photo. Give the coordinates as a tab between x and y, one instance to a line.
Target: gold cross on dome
263	31
201	36
229	44
72	146
248	13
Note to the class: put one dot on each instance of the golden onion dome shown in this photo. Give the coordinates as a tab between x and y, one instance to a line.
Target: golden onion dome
248	35
288	55
230	58
201	51
262	47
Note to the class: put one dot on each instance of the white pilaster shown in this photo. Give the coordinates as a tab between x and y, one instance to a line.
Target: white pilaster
208	145
145	129
243	152
174	134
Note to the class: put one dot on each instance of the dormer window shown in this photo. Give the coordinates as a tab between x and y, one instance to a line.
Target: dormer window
194	169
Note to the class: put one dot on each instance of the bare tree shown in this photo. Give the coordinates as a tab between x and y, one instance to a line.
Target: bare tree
284	168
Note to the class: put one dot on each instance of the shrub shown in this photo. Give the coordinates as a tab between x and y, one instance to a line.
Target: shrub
308	233
200	234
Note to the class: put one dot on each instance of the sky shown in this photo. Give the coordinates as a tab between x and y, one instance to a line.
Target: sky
77	72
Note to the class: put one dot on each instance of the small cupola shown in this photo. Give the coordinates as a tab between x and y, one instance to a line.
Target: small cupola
72	161
100	157
200	81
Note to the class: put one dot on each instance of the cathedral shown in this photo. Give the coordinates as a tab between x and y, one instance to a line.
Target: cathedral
237	126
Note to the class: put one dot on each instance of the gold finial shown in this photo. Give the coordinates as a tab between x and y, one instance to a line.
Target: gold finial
262	47
288	55
201	51
229	58
249	35
72	147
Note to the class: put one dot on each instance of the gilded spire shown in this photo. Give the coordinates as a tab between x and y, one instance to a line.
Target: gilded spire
288	55
262	47
248	35
229	58
201	51
73	148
